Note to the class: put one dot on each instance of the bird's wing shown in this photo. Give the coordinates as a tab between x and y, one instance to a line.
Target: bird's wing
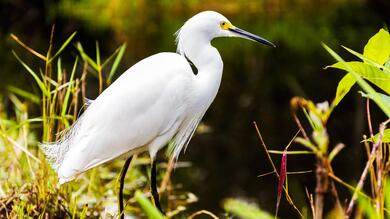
146	102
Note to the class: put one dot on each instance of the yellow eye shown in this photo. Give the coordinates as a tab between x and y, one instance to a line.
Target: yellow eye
224	25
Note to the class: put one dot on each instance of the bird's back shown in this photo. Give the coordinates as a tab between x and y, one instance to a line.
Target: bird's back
147	102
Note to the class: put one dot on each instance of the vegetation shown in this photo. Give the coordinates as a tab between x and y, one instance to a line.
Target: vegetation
28	186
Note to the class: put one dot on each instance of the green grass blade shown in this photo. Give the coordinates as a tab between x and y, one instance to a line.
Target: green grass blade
149	209
363	84
30	96
63	46
16	125
97	54
117	60
245	210
59	70
111	57
309	119
85	57
68	91
35	76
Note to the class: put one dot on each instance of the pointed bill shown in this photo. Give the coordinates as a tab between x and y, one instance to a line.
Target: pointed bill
245	34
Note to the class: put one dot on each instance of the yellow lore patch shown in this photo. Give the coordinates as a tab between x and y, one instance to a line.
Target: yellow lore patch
225	25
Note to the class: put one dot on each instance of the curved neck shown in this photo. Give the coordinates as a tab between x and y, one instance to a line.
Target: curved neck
202	54
207	60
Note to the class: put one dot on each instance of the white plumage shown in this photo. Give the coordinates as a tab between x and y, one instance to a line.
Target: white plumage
156	100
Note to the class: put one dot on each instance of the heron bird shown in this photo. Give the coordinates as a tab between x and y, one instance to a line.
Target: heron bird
161	98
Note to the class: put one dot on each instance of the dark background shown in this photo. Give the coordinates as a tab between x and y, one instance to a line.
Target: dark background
258	81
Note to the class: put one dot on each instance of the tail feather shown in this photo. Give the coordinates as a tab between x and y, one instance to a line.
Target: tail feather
55	152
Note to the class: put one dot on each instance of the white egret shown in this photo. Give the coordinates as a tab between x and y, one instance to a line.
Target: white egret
161	98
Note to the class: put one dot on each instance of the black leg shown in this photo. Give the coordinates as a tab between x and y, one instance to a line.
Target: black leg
153	186
121	183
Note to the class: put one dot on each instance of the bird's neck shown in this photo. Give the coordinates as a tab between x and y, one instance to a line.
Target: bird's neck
203	55
209	64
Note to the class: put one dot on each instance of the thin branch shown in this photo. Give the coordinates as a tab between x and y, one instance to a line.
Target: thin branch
265	148
37	54
203	212
375	147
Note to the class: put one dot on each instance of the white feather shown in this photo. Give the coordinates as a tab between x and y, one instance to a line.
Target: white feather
156	100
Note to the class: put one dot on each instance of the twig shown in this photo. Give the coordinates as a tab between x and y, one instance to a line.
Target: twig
167	176
28	153
369	118
300	126
37	54
266	150
376	145
334	191
310	197
288	197
337	179
321	187
203	212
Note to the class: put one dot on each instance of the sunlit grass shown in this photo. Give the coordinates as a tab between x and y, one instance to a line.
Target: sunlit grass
29	186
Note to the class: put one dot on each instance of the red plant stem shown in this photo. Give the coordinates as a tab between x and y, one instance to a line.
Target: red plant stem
283	173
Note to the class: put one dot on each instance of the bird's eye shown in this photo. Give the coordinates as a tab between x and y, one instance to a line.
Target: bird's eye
224	25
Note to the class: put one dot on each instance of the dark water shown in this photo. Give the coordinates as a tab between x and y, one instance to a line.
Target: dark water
258	81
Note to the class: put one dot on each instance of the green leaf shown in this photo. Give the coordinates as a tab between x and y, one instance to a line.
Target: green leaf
86	58
387	64
378	47
111	57
34	98
67	94
35	76
149	209
245	210
385	137
63	46
385	68
362	83
343	88
385	98
369	72
117	60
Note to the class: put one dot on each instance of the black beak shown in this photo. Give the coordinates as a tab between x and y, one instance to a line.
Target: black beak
250	36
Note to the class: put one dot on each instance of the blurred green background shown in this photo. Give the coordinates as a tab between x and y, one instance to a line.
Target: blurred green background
258	81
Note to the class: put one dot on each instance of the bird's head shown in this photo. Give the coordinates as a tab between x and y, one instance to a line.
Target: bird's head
208	25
